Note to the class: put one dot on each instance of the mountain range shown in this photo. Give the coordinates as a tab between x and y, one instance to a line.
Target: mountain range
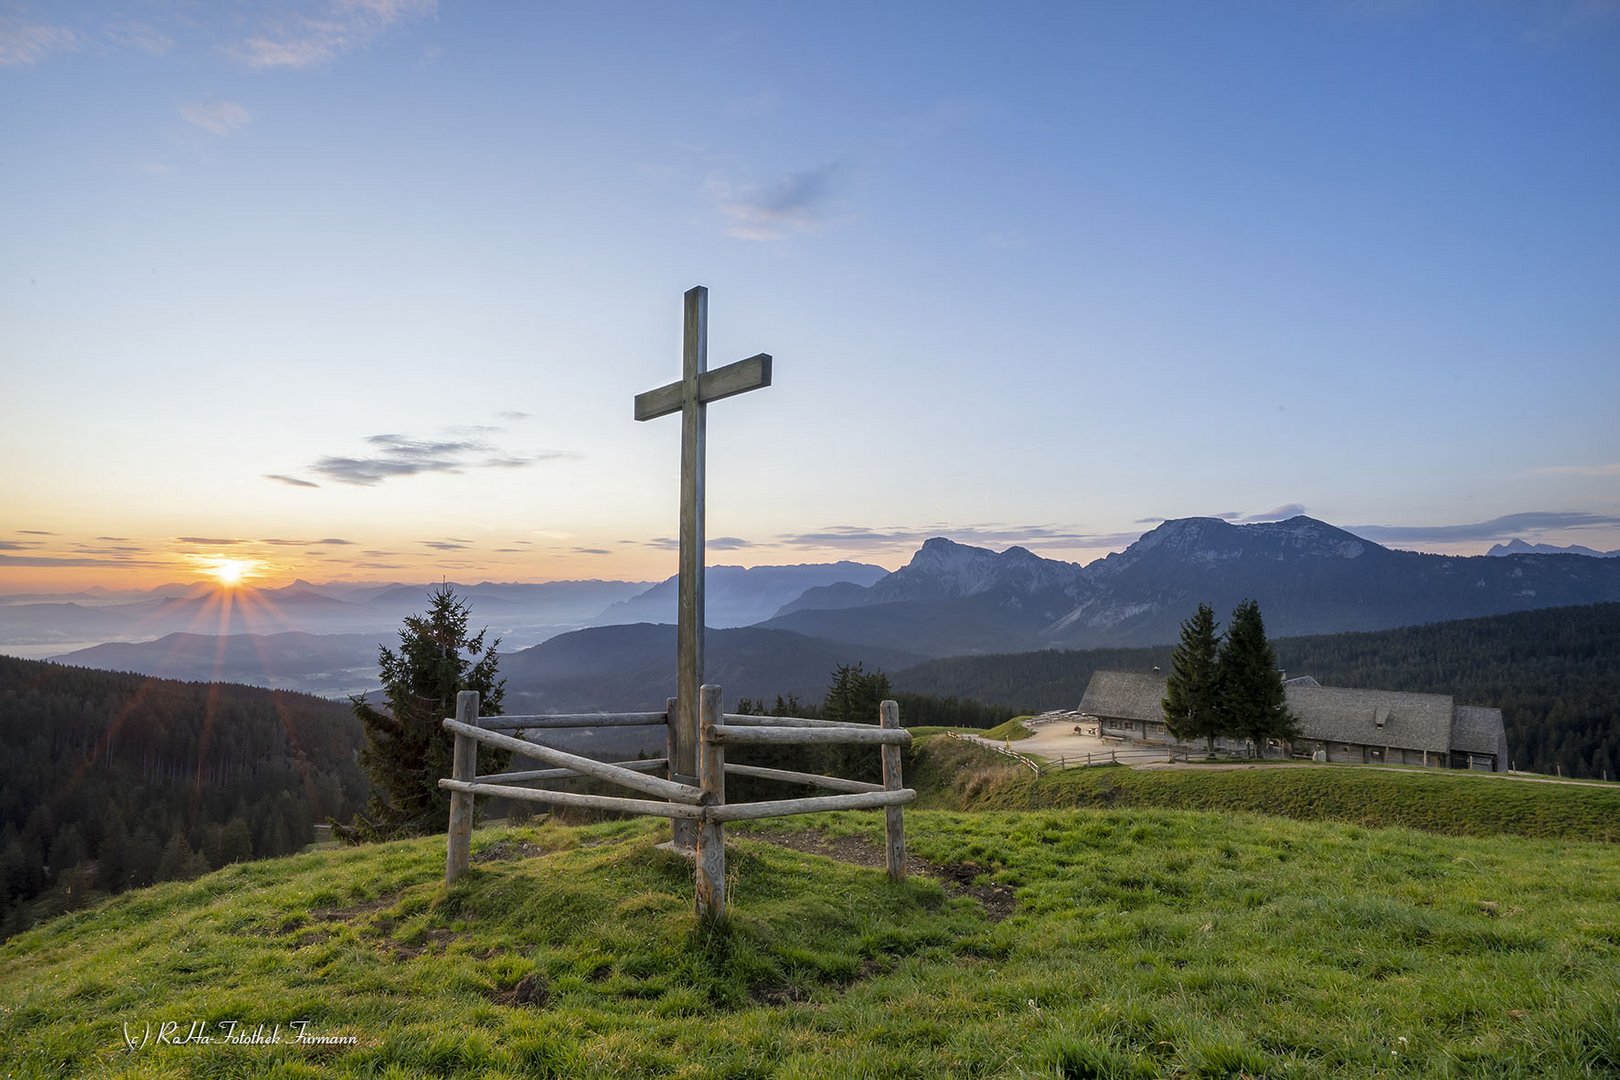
1309	577
1519	547
521	614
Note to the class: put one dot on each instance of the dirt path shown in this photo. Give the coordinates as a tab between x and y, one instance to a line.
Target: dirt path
1057	741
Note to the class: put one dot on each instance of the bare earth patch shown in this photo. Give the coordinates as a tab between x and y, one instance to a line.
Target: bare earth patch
958	878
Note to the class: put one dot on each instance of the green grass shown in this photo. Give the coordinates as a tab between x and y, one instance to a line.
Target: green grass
1142	943
960	776
1009	731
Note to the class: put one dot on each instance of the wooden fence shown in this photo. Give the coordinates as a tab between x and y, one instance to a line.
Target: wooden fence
703	803
1111	756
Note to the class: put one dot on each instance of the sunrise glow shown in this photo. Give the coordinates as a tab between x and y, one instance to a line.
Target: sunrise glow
230	573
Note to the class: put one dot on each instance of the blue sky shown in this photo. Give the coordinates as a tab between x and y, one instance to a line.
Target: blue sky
364	288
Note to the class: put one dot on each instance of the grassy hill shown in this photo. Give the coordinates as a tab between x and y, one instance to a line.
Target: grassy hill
1138	942
957	775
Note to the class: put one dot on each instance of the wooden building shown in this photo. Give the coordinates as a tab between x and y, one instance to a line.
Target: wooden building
1336	723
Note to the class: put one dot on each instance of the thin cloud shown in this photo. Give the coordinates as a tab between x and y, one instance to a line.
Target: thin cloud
1500	528
797	202
291	480
40	532
591	551
1611	469
24	43
512	416
331	541
857	536
217	117
400	455
443	545
52	560
138	35
1281	513
214	541
19	545
340	26
716	543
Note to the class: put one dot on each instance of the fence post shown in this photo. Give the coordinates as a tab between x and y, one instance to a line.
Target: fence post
711	835
894	817
464	767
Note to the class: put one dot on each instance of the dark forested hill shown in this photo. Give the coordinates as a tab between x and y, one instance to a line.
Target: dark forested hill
111	780
1554	673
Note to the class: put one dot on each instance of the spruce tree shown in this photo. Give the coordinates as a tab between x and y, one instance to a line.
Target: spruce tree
407	750
855	696
1192	691
1252	702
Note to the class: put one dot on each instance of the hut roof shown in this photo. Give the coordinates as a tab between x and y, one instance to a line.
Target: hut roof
1479	730
1126	695
1373	717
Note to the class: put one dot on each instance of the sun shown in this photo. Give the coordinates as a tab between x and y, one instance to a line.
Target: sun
230	573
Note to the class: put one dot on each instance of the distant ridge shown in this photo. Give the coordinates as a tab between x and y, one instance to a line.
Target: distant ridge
1519	547
1308	576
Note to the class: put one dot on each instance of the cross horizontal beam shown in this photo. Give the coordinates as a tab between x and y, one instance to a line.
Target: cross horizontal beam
738	378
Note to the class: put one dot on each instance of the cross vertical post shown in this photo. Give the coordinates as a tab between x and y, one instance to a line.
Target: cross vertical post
690	397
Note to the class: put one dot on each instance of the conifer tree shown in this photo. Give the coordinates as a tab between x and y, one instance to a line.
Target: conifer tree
1252	702
1192	707
855	696
407	750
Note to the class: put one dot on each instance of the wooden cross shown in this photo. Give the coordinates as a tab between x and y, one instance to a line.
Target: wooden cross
690	397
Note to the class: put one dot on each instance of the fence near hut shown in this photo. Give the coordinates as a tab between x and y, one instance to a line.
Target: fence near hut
703	803
1110	756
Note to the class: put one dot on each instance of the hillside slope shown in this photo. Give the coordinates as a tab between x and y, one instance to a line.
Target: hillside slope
1138	944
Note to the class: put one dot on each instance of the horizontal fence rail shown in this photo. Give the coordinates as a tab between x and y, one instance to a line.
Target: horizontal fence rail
750	735
638	765
865	800
573	720
569	798
831	783
793	722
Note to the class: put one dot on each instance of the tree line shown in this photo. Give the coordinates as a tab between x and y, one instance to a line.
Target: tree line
112	781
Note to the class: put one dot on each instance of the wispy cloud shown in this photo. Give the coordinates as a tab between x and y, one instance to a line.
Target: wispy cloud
213	541
138	35
713	543
24	43
797	202
19	545
291	480
991	535
401	455
36	532
1280	513
1610	469
445	545
216	117
75	560
330	541
1500	528
110	549
302	40
591	551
